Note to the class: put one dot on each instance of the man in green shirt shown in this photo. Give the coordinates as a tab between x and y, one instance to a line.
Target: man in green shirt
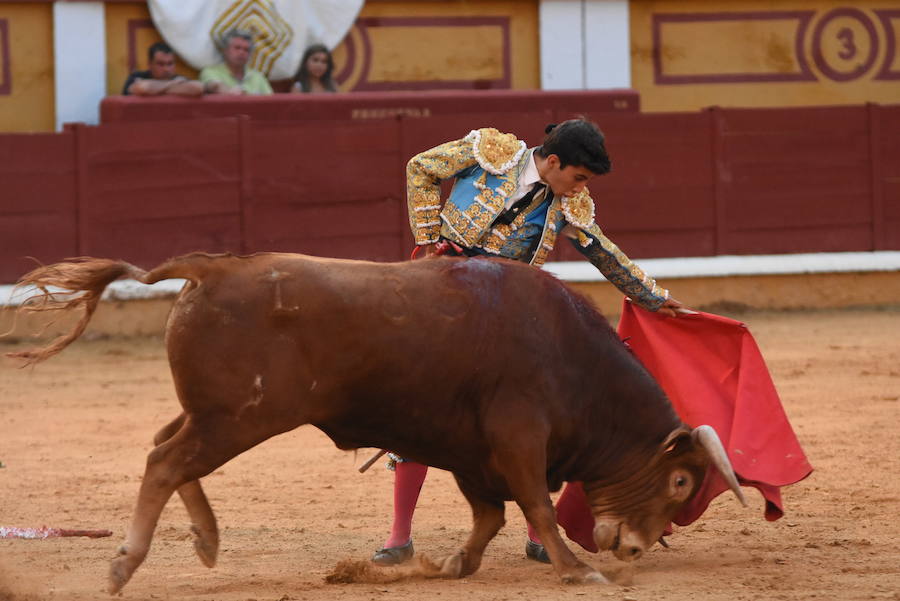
234	72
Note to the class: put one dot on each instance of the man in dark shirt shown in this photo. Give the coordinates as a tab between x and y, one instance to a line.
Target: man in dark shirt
161	78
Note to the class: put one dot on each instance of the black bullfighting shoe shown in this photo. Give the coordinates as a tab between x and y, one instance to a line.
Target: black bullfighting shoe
536	551
391	556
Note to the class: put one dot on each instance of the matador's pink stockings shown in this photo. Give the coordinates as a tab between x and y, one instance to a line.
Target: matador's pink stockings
408	479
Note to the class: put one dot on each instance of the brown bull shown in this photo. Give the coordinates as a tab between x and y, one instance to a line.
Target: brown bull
493	370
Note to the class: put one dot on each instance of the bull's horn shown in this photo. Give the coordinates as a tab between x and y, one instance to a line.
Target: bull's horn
709	440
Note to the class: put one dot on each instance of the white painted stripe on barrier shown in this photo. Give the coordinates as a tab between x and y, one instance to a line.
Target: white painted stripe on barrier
582	271
732	265
119	290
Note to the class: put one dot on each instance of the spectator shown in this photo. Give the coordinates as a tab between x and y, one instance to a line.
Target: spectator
161	78
237	46
314	74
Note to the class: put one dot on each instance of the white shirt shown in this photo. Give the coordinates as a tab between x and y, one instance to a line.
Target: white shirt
528	178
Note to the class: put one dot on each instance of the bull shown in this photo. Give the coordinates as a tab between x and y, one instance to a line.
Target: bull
490	369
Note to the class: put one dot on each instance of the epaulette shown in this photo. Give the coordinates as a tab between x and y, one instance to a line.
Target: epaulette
579	209
496	152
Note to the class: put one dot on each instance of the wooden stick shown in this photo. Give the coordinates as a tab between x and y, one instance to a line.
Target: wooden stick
371	461
45	532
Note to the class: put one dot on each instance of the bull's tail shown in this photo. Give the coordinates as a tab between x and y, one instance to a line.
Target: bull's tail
82	281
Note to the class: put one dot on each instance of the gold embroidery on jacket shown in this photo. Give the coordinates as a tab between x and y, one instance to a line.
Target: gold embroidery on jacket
496	152
619	269
424	173
579	209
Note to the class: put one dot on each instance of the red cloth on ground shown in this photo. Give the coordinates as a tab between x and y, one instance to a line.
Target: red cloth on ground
713	373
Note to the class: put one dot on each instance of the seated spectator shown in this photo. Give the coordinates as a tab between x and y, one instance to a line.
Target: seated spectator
314	74
161	78
237	45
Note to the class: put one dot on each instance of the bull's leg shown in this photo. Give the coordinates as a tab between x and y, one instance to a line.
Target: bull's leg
203	521
539	512
194	451
488	518
524	471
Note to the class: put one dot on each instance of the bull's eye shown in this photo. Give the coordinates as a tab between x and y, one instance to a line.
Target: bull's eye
680	485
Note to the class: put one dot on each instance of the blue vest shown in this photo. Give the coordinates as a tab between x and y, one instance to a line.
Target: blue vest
479	197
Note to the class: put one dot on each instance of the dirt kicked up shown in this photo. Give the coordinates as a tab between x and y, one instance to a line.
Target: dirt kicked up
75	432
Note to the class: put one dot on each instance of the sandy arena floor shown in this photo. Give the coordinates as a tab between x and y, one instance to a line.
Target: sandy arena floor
74	433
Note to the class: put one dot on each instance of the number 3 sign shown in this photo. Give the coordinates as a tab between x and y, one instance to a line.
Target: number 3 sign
845	45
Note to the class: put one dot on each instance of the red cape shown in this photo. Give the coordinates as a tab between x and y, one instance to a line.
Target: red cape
713	372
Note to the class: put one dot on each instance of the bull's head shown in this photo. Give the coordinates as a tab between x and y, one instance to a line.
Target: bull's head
632	514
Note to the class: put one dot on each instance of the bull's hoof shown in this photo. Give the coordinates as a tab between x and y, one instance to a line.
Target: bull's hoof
588	576
452	566
206	544
119	571
596	577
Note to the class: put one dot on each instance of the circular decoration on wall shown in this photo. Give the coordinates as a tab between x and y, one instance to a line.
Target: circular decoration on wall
282	29
350	58
844	44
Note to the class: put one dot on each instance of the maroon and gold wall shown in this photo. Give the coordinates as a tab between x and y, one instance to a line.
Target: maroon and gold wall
26	67
691	54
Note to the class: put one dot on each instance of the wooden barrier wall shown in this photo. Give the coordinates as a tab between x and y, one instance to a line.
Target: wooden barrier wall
722	181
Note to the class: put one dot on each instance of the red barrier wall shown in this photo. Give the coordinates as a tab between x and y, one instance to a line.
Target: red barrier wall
328	188
38	206
152	190
885	200
793	181
721	181
659	200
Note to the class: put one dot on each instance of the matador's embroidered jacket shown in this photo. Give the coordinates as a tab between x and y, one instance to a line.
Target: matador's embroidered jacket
486	166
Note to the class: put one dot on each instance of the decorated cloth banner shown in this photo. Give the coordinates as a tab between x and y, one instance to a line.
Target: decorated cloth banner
282	29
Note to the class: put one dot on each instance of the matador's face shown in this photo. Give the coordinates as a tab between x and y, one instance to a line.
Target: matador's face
565	181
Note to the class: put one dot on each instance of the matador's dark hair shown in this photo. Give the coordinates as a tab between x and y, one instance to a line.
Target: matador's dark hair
577	142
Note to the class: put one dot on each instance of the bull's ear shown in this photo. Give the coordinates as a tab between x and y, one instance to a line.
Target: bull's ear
676	438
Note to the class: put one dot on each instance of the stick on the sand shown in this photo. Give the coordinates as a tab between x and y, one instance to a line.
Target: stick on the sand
371	461
44	532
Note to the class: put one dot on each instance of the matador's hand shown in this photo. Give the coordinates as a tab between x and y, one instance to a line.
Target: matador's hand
674	308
